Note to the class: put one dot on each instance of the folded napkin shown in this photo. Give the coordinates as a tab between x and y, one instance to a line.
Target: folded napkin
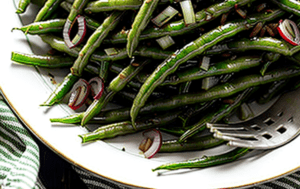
19	154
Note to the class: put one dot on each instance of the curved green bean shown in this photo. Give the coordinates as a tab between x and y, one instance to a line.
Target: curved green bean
22	5
45	61
98	56
292	6
264	44
140	22
61	90
197	143
111	5
43	27
95	41
123	128
45	12
191	50
220	68
205	161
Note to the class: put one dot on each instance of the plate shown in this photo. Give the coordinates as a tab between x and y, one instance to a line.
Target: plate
26	87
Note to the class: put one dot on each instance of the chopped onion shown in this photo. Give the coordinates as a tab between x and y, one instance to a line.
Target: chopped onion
289	31
165	41
209	82
188	12
205	63
111	51
97	87
164	16
80	34
79	94
151	143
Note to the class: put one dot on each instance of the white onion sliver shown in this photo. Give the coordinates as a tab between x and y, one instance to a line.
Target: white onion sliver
188	11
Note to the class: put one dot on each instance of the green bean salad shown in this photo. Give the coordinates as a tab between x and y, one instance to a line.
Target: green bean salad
172	65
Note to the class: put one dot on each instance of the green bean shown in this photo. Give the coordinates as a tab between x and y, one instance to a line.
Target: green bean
42	60
220	68
191	50
292	6
123	128
179	27
98	56
104	68
110	5
77	8
94	42
49	8
217	114
205	161
265	44
42	27
61	90
117	84
90	22
140	22
196	143
23	4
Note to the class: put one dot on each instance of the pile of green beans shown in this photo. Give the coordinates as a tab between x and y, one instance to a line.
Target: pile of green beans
169	90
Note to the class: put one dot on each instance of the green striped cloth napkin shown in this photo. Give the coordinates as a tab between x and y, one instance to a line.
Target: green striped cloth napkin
19	161
19	154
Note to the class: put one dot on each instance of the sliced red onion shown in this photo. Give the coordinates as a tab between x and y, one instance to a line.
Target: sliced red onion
79	94
80	34
153	139
97	87
289	31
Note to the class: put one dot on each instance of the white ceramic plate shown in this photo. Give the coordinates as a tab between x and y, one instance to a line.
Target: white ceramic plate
26	88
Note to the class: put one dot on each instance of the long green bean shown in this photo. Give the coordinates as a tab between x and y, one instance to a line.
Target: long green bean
205	161
122	128
22	6
61	90
140	22
98	56
43	27
291	6
42	60
197	143
49	8
95	41
111	5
